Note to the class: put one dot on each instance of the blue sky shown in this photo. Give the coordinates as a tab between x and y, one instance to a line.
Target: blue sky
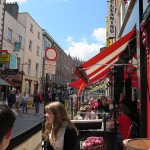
78	26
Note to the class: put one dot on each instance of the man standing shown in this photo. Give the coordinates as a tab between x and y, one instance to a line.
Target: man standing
36	100
11	99
7	119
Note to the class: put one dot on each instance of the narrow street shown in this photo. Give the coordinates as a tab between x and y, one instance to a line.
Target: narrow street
26	121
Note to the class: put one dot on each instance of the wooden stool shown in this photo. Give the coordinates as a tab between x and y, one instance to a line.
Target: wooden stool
125	143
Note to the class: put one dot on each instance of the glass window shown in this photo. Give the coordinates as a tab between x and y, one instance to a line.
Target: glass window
9	34
20	40
18	63
36	70
38	35
30	45
29	67
31	28
38	49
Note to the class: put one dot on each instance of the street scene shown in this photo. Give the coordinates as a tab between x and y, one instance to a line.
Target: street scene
62	94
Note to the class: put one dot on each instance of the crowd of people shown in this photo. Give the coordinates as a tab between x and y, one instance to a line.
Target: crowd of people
19	102
94	109
60	132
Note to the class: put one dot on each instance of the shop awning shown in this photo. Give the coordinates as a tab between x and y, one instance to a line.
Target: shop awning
3	82
76	84
100	65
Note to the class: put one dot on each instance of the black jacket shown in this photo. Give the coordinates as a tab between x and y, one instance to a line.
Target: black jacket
70	139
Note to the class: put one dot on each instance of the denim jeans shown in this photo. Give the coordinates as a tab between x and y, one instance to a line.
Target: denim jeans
120	141
37	107
24	107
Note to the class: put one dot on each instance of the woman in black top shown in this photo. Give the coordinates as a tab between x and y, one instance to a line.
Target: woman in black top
60	133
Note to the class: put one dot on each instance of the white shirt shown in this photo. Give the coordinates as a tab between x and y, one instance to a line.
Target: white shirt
59	145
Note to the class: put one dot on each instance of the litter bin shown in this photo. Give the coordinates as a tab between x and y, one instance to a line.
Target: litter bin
138	144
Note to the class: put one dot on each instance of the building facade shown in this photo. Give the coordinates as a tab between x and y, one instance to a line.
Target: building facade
128	15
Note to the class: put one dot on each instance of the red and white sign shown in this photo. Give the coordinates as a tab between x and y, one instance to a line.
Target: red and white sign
51	54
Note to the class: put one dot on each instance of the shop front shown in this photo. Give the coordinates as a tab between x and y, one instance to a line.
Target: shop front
145	29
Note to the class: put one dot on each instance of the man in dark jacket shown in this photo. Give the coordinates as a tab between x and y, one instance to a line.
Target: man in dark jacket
36	100
11	99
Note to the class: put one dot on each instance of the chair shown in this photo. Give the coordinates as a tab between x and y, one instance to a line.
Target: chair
133	131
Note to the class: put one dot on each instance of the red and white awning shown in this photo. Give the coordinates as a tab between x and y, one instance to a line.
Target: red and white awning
98	66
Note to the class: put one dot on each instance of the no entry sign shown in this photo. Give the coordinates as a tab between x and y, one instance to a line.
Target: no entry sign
51	54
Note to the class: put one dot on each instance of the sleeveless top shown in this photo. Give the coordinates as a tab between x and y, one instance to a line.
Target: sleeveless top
59	144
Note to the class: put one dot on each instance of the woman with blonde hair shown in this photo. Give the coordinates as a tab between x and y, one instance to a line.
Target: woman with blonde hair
60	132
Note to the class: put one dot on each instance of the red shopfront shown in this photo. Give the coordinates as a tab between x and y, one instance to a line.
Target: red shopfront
16	81
145	29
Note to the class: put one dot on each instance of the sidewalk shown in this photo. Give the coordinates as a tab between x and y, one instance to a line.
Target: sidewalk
31	110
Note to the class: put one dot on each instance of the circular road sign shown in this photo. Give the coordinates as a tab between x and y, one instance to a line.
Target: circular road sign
51	54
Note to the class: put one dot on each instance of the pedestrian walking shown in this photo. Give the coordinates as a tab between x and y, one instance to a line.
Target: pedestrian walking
60	133
7	119
18	101
25	99
11	99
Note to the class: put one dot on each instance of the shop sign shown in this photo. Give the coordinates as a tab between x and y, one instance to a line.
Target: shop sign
13	62
111	19
4	57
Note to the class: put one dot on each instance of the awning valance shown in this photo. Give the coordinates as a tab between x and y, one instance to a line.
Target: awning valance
3	82
76	84
100	65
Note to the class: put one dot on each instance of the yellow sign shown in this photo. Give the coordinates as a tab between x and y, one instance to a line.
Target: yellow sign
30	102
4	57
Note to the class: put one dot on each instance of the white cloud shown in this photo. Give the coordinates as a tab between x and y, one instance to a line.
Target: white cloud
85	50
100	34
19	1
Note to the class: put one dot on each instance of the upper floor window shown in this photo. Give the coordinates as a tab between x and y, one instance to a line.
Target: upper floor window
29	67
38	50
36	70
39	35
20	40
30	45
31	28
9	34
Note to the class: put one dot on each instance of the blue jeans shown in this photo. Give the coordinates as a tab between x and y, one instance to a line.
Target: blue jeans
37	107
120	141
24	107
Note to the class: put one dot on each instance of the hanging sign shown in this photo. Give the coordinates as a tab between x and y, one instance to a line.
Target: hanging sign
111	19
51	54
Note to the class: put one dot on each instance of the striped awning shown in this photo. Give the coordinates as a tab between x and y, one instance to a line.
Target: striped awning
99	65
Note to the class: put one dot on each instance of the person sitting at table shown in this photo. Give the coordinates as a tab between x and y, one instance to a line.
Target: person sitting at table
93	104
124	123
87	113
80	114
